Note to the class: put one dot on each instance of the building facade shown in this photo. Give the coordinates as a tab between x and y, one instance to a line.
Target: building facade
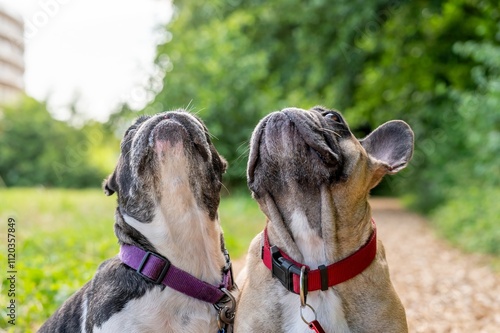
11	56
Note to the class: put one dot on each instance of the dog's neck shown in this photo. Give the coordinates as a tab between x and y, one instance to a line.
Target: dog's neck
189	239
315	228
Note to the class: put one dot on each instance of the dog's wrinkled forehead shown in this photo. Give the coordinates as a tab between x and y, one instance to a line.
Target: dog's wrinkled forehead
144	125
159	155
295	145
168	129
300	149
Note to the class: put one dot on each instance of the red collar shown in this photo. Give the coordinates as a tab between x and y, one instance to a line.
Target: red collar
287	270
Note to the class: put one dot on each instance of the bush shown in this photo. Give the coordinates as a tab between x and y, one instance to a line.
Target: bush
470	219
39	150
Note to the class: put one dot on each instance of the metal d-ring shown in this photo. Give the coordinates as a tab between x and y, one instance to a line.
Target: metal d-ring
231	298
226	312
303	286
302	316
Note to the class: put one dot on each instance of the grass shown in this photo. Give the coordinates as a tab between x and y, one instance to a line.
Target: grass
63	235
241	220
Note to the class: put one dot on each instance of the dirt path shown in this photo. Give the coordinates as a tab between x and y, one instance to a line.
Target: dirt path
443	290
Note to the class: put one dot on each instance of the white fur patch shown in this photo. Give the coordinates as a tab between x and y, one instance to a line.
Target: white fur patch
329	312
186	241
160	312
309	243
327	304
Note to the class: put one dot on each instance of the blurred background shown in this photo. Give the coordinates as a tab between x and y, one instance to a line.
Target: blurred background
74	74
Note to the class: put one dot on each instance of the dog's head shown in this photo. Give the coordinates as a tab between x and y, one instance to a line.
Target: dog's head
167	158
295	152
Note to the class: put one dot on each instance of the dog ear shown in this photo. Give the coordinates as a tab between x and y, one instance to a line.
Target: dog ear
391	145
219	161
223	164
109	185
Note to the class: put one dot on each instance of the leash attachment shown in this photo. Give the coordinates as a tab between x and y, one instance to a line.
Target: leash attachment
314	325
226	307
303	286
225	312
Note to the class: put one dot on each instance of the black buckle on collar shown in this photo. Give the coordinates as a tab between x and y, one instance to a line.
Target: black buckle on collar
163	272
283	269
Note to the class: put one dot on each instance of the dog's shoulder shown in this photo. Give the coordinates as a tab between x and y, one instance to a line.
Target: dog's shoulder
113	286
68	317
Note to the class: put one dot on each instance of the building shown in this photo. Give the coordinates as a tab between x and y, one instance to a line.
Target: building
11	56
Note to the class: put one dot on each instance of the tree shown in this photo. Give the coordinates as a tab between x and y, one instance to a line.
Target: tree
39	150
233	62
431	63
375	61
415	74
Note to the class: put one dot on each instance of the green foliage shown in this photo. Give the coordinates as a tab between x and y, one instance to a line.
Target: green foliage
480	114
39	150
470	216
442	74
241	220
63	236
470	219
433	64
415	75
234	62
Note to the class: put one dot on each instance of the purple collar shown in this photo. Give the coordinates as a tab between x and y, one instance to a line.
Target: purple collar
157	269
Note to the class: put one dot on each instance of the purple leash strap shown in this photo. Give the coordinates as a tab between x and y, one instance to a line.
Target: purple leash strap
159	270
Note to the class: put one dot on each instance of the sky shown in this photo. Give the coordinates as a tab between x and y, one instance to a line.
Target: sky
99	53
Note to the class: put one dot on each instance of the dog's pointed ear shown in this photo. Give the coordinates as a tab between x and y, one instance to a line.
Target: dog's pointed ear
109	185
390	146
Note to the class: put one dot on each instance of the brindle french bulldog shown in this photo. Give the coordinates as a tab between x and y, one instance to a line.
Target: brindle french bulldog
168	180
311	177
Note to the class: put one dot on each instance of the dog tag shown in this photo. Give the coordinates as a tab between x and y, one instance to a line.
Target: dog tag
316	327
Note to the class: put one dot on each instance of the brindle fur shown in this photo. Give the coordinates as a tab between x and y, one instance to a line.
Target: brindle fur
154	194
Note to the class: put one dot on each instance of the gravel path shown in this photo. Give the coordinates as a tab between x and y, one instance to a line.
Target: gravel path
443	290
